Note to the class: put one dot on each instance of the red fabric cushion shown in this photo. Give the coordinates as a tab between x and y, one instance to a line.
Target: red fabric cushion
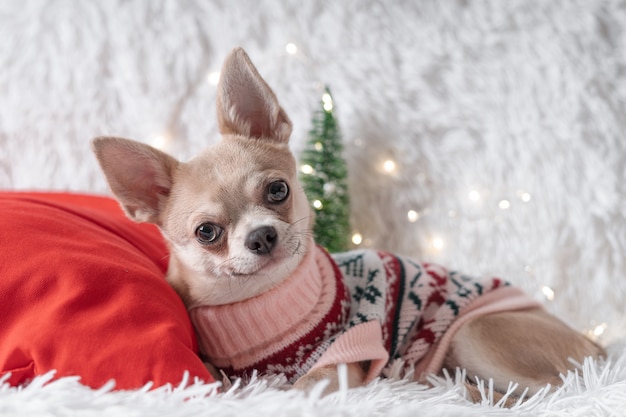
82	291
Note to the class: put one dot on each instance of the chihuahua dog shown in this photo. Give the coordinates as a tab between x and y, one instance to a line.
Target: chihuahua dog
263	296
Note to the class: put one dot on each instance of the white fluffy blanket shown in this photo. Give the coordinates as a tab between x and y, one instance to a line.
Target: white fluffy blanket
504	121
601	392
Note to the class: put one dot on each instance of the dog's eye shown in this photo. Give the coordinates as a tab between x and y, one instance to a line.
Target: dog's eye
277	191
208	233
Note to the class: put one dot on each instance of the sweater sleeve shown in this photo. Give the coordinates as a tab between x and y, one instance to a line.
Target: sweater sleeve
363	342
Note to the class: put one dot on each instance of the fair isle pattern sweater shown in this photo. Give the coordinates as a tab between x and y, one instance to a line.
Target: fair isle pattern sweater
356	306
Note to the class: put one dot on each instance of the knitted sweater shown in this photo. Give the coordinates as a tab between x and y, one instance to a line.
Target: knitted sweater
356	306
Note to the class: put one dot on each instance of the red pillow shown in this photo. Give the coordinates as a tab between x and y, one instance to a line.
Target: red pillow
82	291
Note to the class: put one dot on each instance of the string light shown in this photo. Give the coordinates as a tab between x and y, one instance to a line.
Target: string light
291	48
213	78
160	141
389	166
438	243
318	146
548	292
318	204
307	169
327	101
598	331
524	196
357	239
504	204
413	216
474	195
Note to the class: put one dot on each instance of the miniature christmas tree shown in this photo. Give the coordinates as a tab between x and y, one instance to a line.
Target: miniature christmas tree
324	179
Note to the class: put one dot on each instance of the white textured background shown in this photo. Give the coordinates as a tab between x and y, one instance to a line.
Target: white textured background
507	99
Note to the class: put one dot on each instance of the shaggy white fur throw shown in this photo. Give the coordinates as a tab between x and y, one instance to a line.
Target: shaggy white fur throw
600	392
504	123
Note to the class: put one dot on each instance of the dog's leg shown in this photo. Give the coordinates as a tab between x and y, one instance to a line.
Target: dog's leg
356	376
531	348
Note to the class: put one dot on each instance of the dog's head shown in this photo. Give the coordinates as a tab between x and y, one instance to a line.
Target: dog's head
235	216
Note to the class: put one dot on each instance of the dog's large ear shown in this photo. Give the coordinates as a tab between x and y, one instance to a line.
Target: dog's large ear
246	105
139	175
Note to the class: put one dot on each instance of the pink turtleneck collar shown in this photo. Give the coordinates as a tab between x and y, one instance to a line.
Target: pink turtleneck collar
242	334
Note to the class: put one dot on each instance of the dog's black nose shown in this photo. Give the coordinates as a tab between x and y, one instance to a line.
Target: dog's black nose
262	240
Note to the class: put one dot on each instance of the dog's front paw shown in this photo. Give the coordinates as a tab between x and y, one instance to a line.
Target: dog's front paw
354	378
307	382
